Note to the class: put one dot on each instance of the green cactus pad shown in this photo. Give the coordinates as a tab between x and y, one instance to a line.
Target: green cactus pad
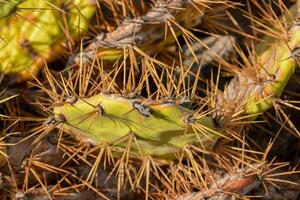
8	6
160	128
38	33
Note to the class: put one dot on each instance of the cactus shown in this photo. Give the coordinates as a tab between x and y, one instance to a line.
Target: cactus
160	128
149	33
33	37
134	117
261	83
8	7
253	99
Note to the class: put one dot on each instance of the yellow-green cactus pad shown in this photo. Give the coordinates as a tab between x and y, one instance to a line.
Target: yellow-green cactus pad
160	129
7	7
38	32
